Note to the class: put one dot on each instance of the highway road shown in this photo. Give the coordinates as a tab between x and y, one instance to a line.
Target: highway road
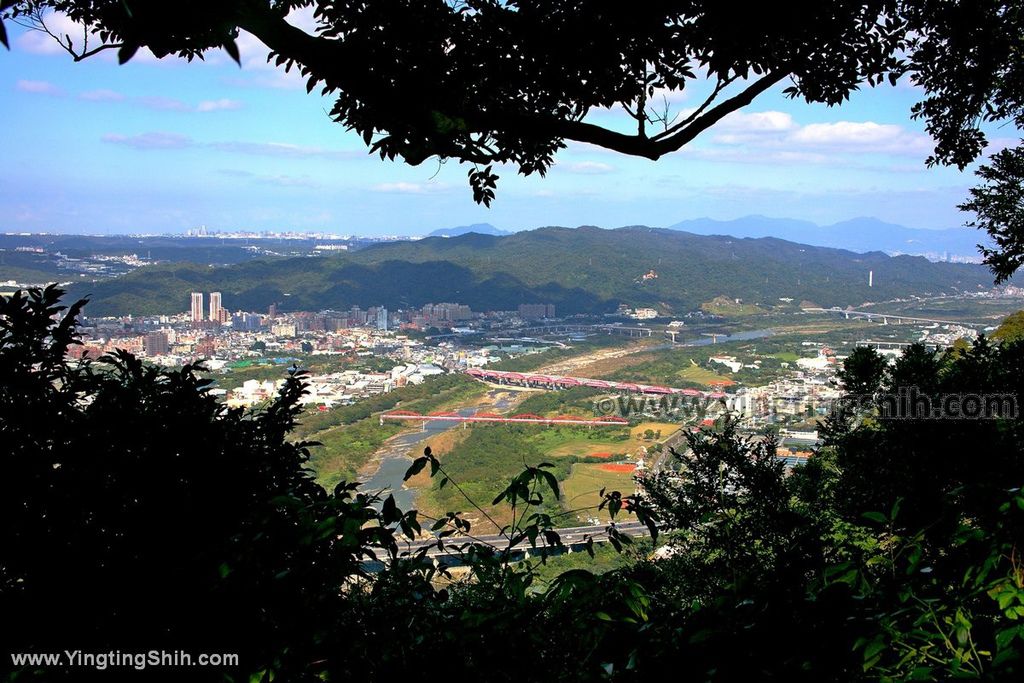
572	537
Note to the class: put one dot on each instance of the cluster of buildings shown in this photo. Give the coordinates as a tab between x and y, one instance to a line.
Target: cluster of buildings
209	331
945	335
536	311
338	388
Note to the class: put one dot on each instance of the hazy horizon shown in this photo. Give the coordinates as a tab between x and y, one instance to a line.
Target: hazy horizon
213	230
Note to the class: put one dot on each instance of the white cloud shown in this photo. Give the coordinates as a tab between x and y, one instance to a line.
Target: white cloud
218	105
280	180
759	156
39	43
998	144
303	18
574	147
756	122
847	132
261	73
277	79
39	88
288	181
154	140
587	167
282	149
776	130
158	140
862	136
409	188
101	95
164	104
253	51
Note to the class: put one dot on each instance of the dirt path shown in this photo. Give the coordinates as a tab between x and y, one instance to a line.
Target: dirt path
602	361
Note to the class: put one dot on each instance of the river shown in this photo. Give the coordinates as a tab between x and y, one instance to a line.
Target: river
392	460
721	339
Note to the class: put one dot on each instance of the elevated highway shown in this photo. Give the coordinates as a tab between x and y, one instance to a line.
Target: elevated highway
528	418
896	318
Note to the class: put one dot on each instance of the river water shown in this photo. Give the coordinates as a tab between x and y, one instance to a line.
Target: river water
393	462
722	338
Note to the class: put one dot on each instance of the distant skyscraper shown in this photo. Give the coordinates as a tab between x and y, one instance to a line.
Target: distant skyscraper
535	311
272	311
197	306
382	319
215	306
155	344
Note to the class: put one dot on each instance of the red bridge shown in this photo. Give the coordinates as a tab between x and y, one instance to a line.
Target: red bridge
559	382
494	417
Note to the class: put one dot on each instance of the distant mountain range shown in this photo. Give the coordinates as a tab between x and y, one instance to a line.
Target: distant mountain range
479	228
858	234
579	270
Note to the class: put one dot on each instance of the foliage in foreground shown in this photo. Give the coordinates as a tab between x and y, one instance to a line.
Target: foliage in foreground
140	514
147	516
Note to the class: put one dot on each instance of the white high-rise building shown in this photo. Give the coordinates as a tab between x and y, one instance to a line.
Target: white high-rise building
197	306
382	319
215	306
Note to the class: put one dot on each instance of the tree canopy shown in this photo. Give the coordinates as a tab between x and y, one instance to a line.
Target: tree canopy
1011	329
511	81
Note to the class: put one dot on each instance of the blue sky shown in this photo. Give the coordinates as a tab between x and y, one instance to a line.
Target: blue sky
164	146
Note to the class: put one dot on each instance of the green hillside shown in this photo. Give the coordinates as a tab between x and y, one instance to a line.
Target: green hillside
580	270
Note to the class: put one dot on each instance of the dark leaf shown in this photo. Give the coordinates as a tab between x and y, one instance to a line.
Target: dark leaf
389	511
126	52
231	47
417	466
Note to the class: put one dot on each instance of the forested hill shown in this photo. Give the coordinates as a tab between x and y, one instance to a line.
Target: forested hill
579	270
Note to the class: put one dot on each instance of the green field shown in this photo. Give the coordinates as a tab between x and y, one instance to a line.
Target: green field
690	366
582	489
582	449
575	401
699	375
347	448
726	307
666	430
488	458
564	441
483	464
